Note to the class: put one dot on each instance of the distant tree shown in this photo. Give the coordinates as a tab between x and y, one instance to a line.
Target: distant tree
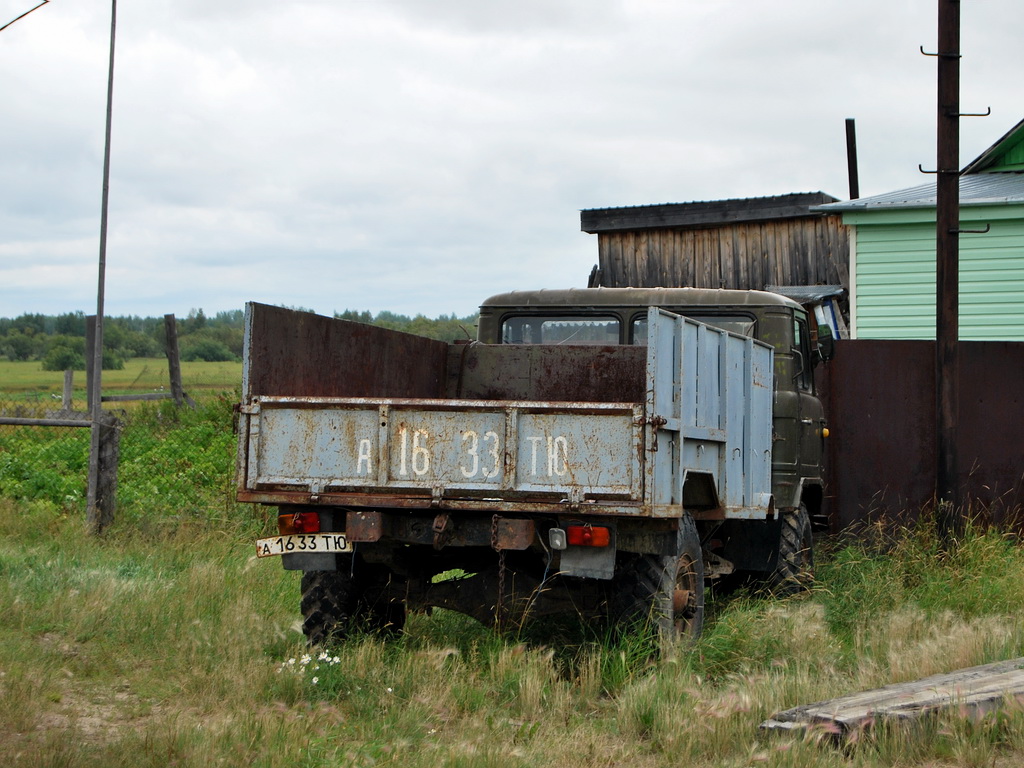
234	318
19	346
112	361
354	316
62	358
30	325
119	336
195	321
70	324
207	349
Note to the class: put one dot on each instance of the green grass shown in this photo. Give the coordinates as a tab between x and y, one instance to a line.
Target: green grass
165	642
173	646
28	383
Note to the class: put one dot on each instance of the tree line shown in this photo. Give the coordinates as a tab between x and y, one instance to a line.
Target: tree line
58	341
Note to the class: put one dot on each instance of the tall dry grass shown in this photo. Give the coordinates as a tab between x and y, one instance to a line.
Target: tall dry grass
171	647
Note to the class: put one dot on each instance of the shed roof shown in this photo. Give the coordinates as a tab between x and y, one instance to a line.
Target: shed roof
976	189
702	214
1007	154
995	177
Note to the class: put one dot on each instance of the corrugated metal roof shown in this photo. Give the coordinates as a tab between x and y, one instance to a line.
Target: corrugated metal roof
975	189
807	294
697	214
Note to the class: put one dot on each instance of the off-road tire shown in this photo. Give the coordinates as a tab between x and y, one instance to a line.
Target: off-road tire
328	604
794	570
337	603
665	593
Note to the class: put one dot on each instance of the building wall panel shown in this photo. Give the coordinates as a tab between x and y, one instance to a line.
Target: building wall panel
798	251
895	278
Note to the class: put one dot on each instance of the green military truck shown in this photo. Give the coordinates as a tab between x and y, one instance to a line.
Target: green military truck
600	451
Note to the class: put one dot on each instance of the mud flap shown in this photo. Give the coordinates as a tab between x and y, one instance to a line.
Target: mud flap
588	562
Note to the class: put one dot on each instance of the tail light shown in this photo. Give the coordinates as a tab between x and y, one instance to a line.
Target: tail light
298	522
587	536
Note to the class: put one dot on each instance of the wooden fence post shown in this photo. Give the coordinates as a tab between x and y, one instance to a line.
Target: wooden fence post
103	472
90	350
173	360
69	378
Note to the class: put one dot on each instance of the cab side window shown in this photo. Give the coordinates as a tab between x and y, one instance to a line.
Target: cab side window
803	370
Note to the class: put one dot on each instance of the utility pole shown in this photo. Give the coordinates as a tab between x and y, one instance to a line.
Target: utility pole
947	253
99	500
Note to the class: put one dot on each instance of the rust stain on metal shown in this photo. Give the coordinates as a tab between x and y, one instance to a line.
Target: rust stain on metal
514	534
302	354
364	526
547	373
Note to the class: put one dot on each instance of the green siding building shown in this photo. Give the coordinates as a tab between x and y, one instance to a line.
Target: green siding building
892	253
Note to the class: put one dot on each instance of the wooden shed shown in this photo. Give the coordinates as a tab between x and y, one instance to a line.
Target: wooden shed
744	244
892	281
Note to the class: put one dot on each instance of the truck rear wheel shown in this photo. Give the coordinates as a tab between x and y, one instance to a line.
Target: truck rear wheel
665	592
328	602
794	571
335	603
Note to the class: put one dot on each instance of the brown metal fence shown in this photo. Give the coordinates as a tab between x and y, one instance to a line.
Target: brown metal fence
880	401
879	396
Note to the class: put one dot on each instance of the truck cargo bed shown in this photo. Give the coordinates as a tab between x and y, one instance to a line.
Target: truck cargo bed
340	413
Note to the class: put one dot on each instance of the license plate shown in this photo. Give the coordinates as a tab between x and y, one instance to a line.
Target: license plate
312	543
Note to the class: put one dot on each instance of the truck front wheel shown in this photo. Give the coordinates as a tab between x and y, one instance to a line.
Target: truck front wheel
664	591
794	571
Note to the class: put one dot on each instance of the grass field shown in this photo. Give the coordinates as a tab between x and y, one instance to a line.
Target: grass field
27	382
166	643
174	647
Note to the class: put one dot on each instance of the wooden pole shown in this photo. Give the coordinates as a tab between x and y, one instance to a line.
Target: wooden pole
851	158
69	379
947	253
100	498
173	359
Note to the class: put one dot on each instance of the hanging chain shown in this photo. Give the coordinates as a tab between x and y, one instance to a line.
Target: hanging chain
498	618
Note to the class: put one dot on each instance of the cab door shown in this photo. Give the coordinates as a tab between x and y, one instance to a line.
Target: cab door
810	414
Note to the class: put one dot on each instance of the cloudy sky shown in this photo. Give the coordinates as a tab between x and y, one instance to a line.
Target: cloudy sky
420	155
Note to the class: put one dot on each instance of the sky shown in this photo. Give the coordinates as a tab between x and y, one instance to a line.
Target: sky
418	156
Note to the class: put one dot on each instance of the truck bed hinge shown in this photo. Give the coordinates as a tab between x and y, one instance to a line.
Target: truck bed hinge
442	530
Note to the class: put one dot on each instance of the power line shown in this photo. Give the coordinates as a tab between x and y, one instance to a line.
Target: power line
26	13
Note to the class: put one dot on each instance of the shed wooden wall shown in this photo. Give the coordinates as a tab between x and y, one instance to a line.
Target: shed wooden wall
802	251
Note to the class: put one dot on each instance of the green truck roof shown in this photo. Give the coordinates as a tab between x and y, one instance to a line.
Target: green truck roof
644	297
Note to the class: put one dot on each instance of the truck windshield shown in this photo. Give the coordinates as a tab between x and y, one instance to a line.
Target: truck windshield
560	329
740	324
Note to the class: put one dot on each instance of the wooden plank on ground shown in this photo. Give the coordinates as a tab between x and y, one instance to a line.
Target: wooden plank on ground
971	691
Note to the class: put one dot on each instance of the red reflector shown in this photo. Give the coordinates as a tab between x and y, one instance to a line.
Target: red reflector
587	536
300	522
